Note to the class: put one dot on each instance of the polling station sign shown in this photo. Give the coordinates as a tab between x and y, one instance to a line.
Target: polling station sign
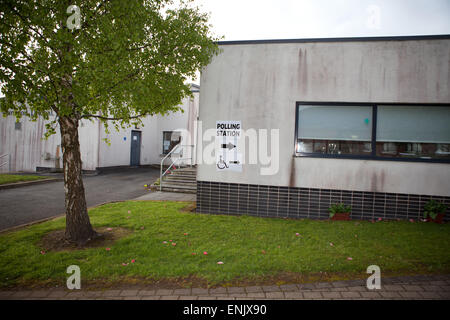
228	134
228	129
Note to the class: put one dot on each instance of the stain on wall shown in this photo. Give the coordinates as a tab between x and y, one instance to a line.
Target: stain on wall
302	71
292	173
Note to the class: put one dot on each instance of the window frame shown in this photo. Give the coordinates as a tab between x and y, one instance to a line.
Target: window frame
373	155
170	132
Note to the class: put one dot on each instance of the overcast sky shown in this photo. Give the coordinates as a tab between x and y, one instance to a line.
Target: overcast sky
277	19
284	19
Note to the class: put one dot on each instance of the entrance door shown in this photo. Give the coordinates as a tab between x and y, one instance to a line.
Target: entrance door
135	148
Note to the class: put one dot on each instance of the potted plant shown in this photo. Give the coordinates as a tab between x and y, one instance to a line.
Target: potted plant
434	211
340	211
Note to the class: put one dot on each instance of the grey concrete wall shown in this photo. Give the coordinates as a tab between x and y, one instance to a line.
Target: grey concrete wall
259	85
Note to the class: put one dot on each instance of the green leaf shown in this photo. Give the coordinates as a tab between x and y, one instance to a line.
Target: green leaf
129	58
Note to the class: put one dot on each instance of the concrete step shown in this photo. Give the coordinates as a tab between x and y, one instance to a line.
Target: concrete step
170	189
188	184
188	170
183	173
179	178
183	180
175	187
180	182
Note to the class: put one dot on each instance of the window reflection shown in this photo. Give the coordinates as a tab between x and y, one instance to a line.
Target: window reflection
413	150
334	147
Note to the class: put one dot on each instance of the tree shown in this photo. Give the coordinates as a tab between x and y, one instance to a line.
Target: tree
115	61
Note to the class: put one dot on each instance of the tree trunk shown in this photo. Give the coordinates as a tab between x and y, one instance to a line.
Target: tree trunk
78	226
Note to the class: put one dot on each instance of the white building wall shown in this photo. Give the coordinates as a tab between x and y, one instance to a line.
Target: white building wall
89	140
259	84
117	152
25	145
184	122
29	150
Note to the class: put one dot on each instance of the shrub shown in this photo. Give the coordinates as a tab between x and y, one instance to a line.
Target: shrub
339	208
432	208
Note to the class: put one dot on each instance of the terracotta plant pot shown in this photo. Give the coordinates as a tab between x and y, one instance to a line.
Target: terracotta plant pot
341	216
439	218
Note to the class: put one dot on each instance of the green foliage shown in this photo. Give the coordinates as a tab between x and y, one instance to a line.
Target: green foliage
129	59
432	208
338	208
396	247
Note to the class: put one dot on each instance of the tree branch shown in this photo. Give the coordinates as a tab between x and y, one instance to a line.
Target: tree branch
28	23
128	77
113	118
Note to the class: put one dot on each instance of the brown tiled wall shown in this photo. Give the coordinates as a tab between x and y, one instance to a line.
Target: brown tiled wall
286	202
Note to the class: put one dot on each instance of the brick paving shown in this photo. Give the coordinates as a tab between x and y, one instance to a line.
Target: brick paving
424	287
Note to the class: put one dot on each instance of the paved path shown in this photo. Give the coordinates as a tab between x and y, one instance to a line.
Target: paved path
32	203
436	287
169	196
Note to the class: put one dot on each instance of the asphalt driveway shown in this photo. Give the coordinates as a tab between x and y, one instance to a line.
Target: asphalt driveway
31	203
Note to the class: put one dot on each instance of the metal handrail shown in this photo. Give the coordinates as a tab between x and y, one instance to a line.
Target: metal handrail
161	174
9	160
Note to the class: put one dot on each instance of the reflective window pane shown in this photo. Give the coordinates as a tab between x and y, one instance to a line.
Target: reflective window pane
349	123
170	140
334	129
413	132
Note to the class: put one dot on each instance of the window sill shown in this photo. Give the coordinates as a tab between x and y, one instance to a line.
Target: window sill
374	158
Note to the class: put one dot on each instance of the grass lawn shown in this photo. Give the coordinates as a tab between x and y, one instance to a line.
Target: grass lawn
250	248
11	178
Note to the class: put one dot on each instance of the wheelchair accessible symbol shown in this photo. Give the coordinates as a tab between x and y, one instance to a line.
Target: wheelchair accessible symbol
222	164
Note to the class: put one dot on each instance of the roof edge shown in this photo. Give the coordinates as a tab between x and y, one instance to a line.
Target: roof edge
346	39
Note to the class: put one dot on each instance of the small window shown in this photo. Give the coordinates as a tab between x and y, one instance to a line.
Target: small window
18	125
170	140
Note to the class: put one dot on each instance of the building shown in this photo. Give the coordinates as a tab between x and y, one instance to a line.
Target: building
24	145
364	121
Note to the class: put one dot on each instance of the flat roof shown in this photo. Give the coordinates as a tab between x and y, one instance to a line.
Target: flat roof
348	39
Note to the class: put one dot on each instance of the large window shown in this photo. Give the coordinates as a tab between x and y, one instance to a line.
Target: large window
373	131
170	140
335	130
413	132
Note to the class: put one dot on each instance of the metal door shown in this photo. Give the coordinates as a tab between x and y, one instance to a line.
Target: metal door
135	148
